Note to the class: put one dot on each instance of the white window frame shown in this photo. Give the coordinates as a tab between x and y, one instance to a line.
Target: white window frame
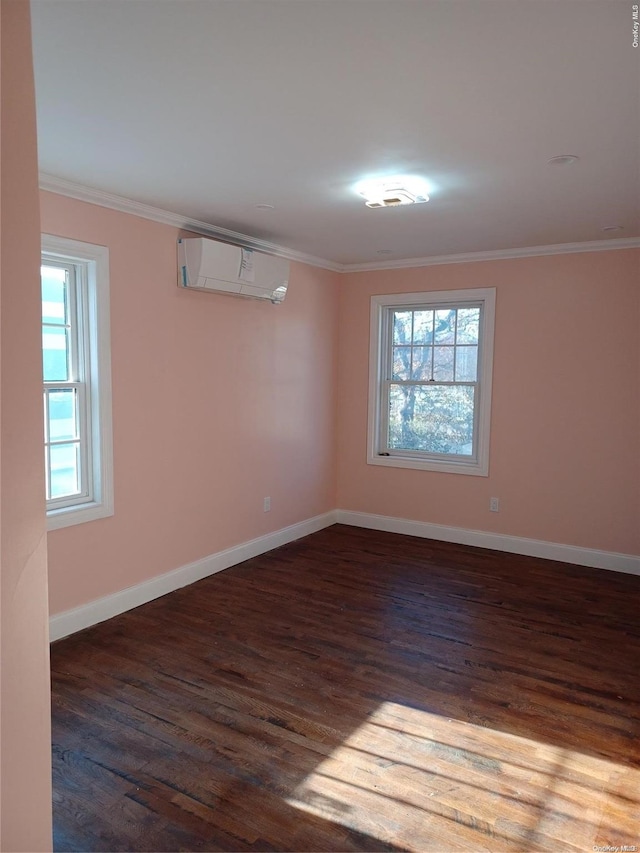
91	354
377	451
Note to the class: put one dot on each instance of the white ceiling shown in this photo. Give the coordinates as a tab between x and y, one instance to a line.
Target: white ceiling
209	107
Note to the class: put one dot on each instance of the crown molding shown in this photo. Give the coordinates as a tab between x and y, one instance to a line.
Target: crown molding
176	220
499	255
51	183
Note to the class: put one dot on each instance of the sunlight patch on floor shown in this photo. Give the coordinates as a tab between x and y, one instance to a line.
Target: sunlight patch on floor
424	782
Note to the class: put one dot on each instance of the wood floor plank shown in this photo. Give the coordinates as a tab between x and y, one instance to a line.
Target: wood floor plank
357	691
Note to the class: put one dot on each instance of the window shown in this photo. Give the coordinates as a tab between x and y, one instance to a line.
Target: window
430	380
77	381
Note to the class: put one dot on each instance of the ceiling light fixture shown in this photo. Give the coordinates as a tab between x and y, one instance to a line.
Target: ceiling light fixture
563	160
610	228
264	206
393	191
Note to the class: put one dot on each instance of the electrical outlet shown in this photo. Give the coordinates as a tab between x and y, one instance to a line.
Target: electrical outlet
494	504
266	505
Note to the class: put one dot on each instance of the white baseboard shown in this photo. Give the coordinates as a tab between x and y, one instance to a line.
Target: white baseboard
497	541
63	624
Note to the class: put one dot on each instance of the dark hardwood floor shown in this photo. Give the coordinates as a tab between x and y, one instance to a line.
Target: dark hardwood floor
362	691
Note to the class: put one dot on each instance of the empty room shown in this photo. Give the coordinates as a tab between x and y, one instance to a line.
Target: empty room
320	425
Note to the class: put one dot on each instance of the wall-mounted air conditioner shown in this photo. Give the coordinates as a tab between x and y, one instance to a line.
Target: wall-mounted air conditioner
222	268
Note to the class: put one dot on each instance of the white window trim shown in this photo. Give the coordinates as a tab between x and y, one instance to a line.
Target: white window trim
96	259
479	466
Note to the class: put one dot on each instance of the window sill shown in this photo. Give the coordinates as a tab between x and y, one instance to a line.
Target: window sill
67	517
445	467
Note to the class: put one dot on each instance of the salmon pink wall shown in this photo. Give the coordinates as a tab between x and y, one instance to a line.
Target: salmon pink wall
25	768
218	402
565	435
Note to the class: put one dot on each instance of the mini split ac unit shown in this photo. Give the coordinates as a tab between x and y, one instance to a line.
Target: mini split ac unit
216	267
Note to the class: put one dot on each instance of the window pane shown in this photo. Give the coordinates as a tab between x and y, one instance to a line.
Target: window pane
46	420
402	327
466	364
421	367
55	354
401	363
443	364
431	418
65	470
54	294
46	472
445	325
423	327
63	419
468	325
